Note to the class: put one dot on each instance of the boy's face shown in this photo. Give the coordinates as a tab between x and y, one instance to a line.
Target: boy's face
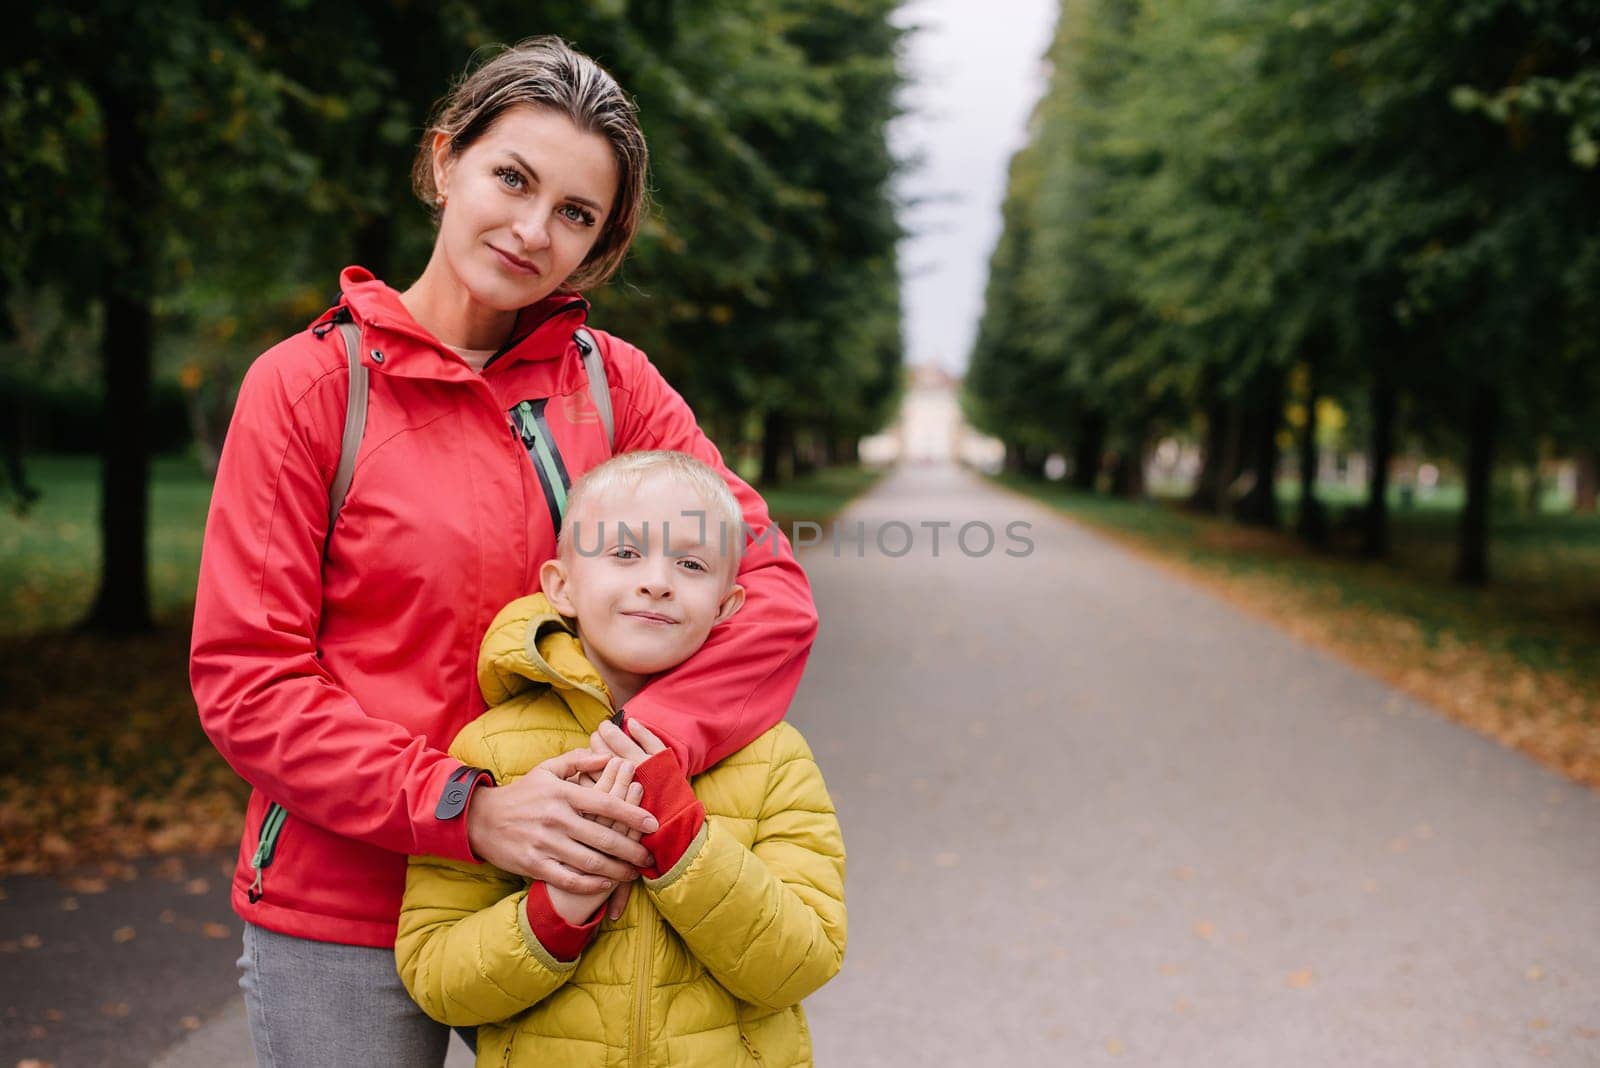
644	577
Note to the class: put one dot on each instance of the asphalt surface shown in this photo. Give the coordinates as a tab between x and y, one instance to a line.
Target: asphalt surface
1094	816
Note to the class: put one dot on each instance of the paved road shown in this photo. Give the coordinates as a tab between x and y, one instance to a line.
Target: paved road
1096	817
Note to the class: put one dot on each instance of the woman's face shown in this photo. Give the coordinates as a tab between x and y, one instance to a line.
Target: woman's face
524	204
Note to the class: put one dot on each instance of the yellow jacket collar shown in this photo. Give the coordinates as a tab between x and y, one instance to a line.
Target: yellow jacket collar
530	645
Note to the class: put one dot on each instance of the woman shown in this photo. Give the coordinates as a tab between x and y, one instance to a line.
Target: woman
333	668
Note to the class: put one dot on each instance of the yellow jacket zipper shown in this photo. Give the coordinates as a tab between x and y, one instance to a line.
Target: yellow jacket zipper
642	988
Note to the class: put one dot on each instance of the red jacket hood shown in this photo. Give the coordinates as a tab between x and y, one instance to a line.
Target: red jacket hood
410	349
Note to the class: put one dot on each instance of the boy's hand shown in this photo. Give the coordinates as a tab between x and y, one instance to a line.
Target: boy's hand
638	748
615	780
643	745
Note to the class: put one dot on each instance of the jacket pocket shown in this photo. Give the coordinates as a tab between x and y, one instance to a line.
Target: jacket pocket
266	849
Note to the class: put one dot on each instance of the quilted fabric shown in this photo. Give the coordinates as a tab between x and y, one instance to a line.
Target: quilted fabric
707	966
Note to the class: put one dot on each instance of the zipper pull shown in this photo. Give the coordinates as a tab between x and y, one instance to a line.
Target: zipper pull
750	1047
255	891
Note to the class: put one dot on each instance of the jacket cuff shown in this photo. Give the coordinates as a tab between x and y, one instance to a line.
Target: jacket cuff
561	939
443	837
668	797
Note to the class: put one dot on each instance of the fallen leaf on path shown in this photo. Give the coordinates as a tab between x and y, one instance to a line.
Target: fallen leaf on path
197	886
1399	845
1115	1047
1182	1005
1588	1032
1369	885
117	1010
1205	929
1534	973
946	860
1302	979
1539	1023
30	941
54	1015
88	884
38	1031
69	904
34	1063
1423	831
1183	875
124	934
190	1023
1170	969
216	930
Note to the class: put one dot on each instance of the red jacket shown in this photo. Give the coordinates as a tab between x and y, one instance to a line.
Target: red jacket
335	687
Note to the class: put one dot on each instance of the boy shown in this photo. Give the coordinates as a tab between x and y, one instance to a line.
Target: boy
742	912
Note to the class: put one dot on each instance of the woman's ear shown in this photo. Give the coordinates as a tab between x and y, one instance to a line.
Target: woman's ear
732	601
443	159
553	581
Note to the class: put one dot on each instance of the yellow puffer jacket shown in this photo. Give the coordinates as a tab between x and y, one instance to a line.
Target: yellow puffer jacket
706	967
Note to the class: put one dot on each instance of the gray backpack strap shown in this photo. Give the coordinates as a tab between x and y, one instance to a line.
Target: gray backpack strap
355	423
599	386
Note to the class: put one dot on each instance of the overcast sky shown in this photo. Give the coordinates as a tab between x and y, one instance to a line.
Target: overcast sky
975	68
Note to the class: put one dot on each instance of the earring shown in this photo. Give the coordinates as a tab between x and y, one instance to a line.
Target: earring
438	199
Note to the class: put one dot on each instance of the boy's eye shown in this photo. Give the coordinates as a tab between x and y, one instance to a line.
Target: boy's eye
694	565
626	552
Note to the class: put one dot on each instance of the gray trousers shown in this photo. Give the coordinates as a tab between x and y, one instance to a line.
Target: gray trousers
316	1004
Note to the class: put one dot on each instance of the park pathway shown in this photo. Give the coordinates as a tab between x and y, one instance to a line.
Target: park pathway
1096	816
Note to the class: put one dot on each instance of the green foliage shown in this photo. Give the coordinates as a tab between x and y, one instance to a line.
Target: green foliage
282	136
1217	195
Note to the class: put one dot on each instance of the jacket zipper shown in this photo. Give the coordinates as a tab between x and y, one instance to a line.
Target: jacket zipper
641	989
749	1046
266	847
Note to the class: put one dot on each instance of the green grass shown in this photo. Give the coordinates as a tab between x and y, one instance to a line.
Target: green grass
1542	606
816	497
50	558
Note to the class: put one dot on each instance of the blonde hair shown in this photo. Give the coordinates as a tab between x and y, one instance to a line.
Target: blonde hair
628	470
546	72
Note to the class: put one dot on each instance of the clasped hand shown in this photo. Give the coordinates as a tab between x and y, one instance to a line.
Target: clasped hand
573	822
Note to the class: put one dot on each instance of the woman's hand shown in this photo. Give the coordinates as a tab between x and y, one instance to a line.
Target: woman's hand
539	826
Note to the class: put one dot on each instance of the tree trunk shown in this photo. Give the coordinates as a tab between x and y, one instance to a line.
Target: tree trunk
1205	495
1311	524
1472	562
122	604
777	449
1588	480
1087	450
1259	507
1127	478
1375	517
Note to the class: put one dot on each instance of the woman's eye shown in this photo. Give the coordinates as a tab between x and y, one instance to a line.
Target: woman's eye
509	178
574	213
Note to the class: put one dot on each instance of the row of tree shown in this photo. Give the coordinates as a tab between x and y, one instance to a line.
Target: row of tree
185	180
1232	211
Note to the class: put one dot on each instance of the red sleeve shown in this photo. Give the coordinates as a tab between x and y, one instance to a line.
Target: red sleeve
678	812
265	700
739	684
562	939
